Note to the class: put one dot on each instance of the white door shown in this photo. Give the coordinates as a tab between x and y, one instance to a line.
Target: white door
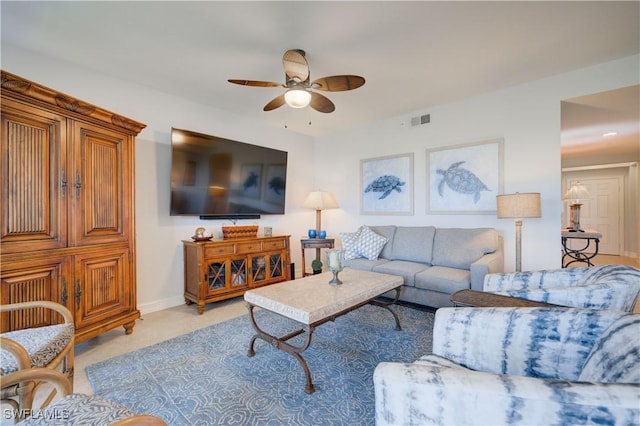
603	210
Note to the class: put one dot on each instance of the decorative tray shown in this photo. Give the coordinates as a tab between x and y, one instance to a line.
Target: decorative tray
194	238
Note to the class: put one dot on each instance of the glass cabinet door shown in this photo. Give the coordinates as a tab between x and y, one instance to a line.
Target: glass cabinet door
227	274
217	275
276	265
258	269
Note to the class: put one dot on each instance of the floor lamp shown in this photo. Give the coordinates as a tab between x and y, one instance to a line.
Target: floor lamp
320	200
518	206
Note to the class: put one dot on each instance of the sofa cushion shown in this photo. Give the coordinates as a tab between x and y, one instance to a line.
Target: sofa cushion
364	264
387	231
370	244
459	248
616	356
443	279
413	243
362	243
406	270
349	243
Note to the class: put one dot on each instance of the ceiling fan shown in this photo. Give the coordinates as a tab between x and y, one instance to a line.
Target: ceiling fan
299	92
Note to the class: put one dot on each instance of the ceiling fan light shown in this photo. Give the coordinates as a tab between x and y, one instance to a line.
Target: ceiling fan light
297	98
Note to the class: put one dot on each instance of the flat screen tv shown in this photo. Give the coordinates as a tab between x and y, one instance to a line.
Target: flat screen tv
214	177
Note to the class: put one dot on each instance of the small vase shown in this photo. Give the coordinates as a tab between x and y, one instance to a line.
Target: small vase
312	233
323	234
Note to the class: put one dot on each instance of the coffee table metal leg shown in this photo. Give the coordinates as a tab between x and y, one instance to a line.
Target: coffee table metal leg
281	343
386	305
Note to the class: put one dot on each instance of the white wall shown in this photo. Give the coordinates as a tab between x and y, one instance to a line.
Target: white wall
527	117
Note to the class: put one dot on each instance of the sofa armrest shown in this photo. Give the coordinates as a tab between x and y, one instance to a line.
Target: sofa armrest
530	280
520	341
412	394
487	264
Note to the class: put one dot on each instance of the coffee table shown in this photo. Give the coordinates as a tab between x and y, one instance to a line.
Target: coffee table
312	301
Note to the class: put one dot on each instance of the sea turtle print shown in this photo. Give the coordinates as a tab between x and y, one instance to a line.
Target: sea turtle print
461	180
385	184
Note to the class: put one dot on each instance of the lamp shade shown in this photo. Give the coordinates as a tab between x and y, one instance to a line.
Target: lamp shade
518	205
576	192
320	200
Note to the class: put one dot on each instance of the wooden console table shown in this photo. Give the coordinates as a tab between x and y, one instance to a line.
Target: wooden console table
222	269
571	255
314	243
484	299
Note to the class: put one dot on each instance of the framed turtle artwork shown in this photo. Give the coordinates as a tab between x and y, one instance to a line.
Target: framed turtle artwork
386	185
464	179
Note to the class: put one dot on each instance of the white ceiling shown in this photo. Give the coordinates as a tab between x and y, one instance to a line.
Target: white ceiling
414	55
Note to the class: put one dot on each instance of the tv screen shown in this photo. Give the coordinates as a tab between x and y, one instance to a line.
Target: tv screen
217	177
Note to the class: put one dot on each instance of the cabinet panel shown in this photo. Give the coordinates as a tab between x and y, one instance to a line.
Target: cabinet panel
27	281
99	288
33	179
100	185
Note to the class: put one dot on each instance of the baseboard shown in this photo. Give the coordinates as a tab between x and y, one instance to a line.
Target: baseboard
158	305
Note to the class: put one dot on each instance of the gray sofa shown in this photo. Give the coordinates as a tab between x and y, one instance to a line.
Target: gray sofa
434	262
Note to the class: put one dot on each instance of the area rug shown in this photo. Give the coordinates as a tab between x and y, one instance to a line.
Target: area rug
206	378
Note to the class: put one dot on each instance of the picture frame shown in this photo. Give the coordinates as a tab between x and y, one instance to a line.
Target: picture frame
251	180
386	185
275	185
465	179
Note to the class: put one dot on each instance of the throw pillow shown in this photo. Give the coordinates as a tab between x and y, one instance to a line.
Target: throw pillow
349	244
369	243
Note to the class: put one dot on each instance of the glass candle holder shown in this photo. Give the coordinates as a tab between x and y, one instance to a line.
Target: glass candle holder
335	261
311	233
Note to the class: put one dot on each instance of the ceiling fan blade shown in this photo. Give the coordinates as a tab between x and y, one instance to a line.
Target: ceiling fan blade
321	103
338	83
255	83
276	102
295	65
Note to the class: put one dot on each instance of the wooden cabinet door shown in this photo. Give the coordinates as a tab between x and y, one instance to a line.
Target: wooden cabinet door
33	179
101	286
30	280
225	275
101	185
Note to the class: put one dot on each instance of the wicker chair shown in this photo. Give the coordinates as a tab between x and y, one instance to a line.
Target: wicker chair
77	409
49	347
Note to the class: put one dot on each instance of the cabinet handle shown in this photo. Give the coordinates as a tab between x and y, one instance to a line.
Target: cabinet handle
64	183
78	293
78	185
65	294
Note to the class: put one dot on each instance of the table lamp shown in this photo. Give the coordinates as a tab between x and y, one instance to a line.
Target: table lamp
517	206
574	194
320	200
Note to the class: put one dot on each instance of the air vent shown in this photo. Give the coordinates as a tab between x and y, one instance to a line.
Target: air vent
423	119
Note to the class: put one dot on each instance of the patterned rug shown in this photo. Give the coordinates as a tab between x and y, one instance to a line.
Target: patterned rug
206	378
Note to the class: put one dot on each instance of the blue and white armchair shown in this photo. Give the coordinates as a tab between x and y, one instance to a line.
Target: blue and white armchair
614	287
498	366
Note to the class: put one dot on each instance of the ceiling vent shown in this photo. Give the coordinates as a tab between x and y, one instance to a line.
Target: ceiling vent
423	119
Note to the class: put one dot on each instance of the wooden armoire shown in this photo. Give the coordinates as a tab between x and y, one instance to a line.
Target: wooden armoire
67	224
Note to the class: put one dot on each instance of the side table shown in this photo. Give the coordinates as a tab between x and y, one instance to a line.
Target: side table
571	255
314	243
484	299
